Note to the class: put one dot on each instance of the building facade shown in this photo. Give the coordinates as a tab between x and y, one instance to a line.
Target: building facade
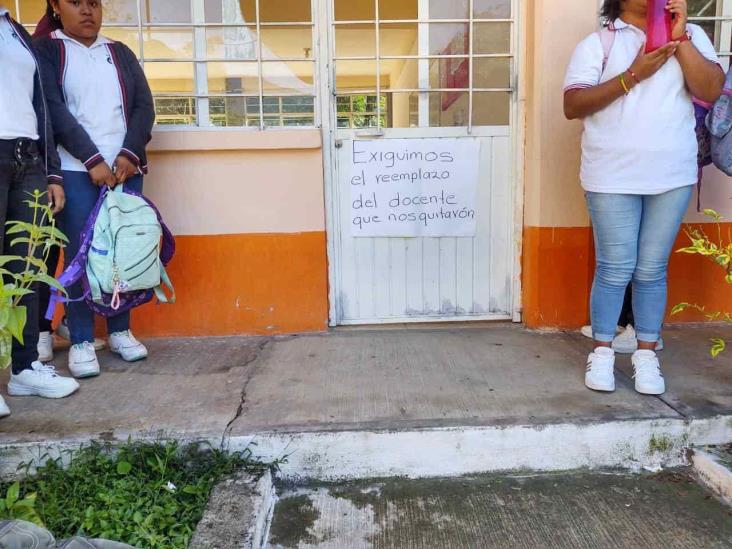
262	105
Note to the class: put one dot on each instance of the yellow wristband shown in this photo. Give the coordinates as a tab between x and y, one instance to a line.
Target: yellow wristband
622	83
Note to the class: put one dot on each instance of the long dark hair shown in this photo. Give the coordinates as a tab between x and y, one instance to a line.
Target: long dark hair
610	10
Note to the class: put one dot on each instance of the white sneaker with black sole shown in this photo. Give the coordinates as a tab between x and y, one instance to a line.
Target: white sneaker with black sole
43	381
83	361
45	346
125	345
4	410
600	374
648	376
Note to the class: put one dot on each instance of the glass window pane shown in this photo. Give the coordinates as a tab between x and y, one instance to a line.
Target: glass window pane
179	111
287	42
166	43
166	11
399	74
288	77
360	111
449	109
491	72
284	11
120	12
398	9
452	9
235	43
449	38
492	38
233	77
450	73
398	39
491	108
402	110
702	8
288	111
355	40
355	10
492	9
234	111
170	77
355	75
128	36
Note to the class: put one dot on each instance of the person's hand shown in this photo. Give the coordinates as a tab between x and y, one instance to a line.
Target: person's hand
56	198
101	174
648	64
680	10
124	169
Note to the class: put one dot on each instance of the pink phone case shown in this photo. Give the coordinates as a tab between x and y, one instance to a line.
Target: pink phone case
658	25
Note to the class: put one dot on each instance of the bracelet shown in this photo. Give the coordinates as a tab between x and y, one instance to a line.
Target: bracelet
622	83
635	76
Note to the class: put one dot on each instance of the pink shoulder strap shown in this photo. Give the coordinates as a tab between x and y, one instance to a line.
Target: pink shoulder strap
607	37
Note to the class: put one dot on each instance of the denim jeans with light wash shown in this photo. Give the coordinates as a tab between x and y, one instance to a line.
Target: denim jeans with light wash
634	236
81	196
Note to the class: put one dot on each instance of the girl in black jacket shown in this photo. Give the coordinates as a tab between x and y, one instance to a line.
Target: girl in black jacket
103	114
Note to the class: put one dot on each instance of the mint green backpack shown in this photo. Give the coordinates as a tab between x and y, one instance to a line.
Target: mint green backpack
125	247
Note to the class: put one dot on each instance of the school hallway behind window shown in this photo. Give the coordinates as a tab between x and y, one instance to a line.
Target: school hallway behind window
366	273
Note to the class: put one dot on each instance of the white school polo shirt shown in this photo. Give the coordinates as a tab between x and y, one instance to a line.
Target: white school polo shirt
18	118
93	95
645	142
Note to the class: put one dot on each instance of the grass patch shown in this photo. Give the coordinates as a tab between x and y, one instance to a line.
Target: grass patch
144	494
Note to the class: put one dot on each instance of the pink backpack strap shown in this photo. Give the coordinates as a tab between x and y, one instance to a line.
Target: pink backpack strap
607	38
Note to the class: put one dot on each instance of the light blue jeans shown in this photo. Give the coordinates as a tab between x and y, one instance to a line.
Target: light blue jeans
634	236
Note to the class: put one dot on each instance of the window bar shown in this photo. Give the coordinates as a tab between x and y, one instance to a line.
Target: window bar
423	33
471	67
259	66
17	12
203	117
725	29
378	67
140	37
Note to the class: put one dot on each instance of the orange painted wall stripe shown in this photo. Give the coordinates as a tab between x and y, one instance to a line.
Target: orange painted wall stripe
558	268
253	284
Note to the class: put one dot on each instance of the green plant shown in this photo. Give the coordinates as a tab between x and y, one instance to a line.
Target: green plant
718	251
14	508
39	236
144	494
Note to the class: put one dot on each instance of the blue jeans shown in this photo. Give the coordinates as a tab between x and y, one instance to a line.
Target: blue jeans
634	236
81	196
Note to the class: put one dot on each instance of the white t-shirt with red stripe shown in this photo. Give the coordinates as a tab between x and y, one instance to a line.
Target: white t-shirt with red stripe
645	142
93	96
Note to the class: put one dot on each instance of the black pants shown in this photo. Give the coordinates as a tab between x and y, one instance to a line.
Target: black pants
626	314
21	173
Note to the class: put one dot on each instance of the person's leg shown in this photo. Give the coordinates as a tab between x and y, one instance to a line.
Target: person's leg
616	223
626	314
81	196
121	323
661	220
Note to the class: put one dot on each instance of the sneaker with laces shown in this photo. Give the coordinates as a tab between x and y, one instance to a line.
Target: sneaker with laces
4	410
83	361
600	374
63	332
648	376
45	346
125	345
41	380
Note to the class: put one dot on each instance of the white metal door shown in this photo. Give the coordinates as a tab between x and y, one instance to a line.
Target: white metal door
422	69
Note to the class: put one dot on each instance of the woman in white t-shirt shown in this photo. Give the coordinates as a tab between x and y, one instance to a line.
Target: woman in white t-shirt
639	165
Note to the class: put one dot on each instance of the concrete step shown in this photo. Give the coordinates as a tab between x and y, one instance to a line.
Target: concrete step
713	468
581	510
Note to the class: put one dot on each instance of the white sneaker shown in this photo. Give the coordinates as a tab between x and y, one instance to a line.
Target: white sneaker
63	332
626	343
41	380
648	377
45	346
600	375
83	361
4	410
125	345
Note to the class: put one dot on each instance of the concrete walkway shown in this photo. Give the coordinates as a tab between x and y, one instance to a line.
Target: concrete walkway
352	391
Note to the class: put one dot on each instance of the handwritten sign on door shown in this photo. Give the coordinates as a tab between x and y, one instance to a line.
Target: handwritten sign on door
414	187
